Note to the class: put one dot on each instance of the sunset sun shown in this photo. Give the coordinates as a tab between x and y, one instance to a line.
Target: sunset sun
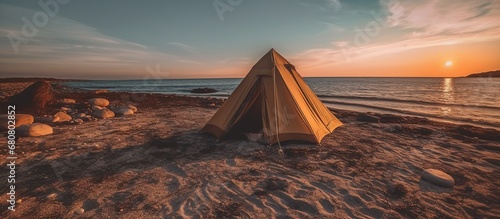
448	63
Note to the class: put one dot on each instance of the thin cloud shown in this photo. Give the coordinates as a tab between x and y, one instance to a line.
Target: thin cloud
451	17
426	23
323	4
183	46
64	44
335	4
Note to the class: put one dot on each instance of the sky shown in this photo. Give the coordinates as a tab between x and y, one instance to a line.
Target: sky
126	39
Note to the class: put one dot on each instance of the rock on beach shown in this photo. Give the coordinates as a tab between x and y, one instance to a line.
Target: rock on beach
21	119
68	101
103	113
133	108
123	111
34	130
99	102
63	117
438	178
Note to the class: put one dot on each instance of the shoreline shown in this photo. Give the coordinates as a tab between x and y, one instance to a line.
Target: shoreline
328	103
156	163
208	97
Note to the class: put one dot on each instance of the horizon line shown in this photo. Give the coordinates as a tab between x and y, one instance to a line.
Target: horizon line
201	78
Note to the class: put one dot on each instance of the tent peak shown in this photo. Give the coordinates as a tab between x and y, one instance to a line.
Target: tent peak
273	53
271	59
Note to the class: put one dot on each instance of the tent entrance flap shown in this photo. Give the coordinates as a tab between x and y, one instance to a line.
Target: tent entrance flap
251	122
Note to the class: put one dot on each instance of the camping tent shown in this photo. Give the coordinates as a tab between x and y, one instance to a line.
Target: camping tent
274	99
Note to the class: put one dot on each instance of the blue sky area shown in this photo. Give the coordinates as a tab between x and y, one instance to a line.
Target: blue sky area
119	39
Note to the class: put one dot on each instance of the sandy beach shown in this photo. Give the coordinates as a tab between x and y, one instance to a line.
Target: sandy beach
157	164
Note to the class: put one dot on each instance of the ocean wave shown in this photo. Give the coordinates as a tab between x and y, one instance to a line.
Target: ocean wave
407	101
414	113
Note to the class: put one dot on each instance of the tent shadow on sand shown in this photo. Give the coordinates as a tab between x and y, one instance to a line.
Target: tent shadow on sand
42	176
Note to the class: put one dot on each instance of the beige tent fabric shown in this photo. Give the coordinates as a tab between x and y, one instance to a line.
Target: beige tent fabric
288	111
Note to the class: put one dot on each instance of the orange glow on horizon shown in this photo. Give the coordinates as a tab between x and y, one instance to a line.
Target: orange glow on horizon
440	61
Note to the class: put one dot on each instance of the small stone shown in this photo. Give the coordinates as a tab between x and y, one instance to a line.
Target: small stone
68	101
81	115
18	201
79	121
80	211
99	102
52	195
123	111
438	177
96	108
100	91
65	108
103	113
21	119
212	104
63	117
34	130
132	107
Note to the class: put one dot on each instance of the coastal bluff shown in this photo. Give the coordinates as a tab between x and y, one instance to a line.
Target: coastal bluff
494	74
